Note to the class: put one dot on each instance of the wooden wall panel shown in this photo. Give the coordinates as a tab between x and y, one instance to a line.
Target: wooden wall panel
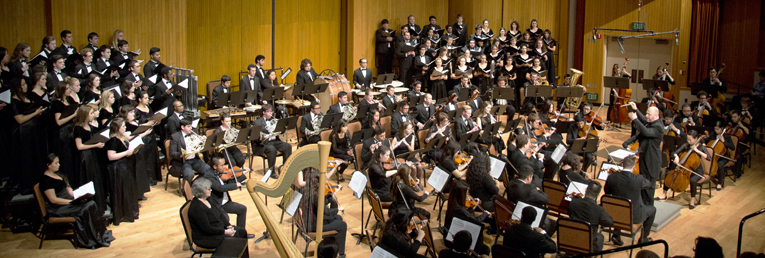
737	42
661	16
23	21
364	17
474	12
148	24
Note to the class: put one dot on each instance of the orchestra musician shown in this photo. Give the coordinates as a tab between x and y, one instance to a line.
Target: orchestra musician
362	77
273	145
573	134
416	90
687	117
548	138
209	222
369	100
502	82
233	152
384	49
341	105
306	75
737	127
703	104
653	96
372	120
618	71
341	147
519	158
484	118
306	124
390	97
463	125
570	170
260	60
725	140
405	141
221	187
522	189
397	119
371	144
758	90
252	82
426	110
714	84
650	139
533	241
587	209
223	87
625	184
485	187
663	75
456	209
174	120
379	178
189	164
397	235
402	191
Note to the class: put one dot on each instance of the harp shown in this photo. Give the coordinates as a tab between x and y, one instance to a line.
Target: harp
302	158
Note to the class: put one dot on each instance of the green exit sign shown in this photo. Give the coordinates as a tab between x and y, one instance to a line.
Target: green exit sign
638	25
592	96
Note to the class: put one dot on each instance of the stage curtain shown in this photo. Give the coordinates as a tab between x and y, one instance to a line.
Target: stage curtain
705	24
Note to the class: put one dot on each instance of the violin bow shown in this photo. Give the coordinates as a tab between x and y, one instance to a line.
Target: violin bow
232	168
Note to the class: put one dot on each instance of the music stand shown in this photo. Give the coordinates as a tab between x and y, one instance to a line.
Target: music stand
363	109
572	92
490	130
642	107
273	94
616	82
212	141
409	155
512	124
584	146
388	78
281	126
655	84
298	91
250	96
539	92
562	126
441	101
292	122
359	136
468	138
505	93
223	99
246	133
380	79
435	142
237	98
330	120
464	94
414	101
391	108
498	110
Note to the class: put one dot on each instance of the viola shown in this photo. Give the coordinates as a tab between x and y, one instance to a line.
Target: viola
471	202
593	118
460	158
392	164
228	173
414	224
558	116
330	188
587	131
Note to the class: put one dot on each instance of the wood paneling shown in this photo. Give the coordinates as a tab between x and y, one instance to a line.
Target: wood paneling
474	12
145	23
737	34
23	21
364	17
661	16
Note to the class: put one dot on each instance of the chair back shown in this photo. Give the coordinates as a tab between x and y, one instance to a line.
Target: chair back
428	239
574	236
354	127
210	87
187	227
385	122
167	154
503	212
299	134
421	134
377	208
41	203
504	251
732	154
556	191
620	210
357	150
707	164
187	190
325	135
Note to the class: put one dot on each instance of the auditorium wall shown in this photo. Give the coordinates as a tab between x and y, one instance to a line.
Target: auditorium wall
22	21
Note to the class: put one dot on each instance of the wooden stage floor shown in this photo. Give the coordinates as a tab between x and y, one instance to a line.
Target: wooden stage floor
158	232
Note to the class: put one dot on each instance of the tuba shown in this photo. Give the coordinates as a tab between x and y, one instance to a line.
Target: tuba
574	102
316	125
195	143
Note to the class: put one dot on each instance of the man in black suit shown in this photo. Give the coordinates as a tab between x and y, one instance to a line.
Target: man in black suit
362	77
369	102
534	242
187	165
433	25
174	119
163	90
66	49
477	102
122	56
650	138
384	48
223	87
464	84
402	116
102	62
460	29
150	68
306	125
400	37
370	145
703	104
414	28
390	97
83	70
252	82
523	190
405	59
57	75
587	209
573	135
134	75
92	41
260	60
416	91
306	75
272	145
420	71
220	188
426	110
463	125
518	157
633	187
342	103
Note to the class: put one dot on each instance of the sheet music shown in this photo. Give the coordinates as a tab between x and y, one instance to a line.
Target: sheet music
45	97
153	79
135	143
294	203
162	111
84	189
603	175
93	101
497	166
6	96
558	153
519	210
621	153
184	84
357	184
105	133
380	252
459	225
438	178
195	123
575	187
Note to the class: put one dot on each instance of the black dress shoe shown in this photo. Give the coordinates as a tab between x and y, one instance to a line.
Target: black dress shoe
617	241
274	176
143	198
250	236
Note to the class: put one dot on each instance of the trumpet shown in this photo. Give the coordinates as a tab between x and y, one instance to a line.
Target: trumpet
196	143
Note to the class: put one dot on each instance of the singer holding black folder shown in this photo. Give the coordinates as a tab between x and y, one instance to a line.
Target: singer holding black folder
27	134
91	232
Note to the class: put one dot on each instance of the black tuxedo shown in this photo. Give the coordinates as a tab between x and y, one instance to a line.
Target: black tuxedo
100	64
520	191
414	28
93	47
384	50
173	124
150	68
695	106
81	72
306	124
215	92
631	186
387	101
475	104
304	78
518	159
366	152
220	189
161	98
270	147
134	77
52	80
337	108
650	139
422	115
529	241
118	58
64	51
247	84
360	79
461	30
586	209
179	164
461	128
397	119
435	28
404	62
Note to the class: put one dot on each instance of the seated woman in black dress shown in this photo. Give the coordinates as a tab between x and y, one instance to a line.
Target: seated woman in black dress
478	177
484	118
456	208
449	165
379	178
209	222
91	231
341	147
372	120
396	234
570	169
309	208
406	141
402	192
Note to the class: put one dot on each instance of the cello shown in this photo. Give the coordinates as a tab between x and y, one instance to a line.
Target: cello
719	151
680	178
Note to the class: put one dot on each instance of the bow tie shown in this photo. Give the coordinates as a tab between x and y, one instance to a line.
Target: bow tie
187	136
87	65
57	73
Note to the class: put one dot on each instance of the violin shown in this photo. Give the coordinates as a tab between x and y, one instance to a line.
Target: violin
587	131
537	145
228	173
471	202
461	158
558	116
414	224
392	164
330	189
593	118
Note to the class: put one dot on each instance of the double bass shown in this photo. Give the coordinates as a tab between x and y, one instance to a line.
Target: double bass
624	97
667	96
